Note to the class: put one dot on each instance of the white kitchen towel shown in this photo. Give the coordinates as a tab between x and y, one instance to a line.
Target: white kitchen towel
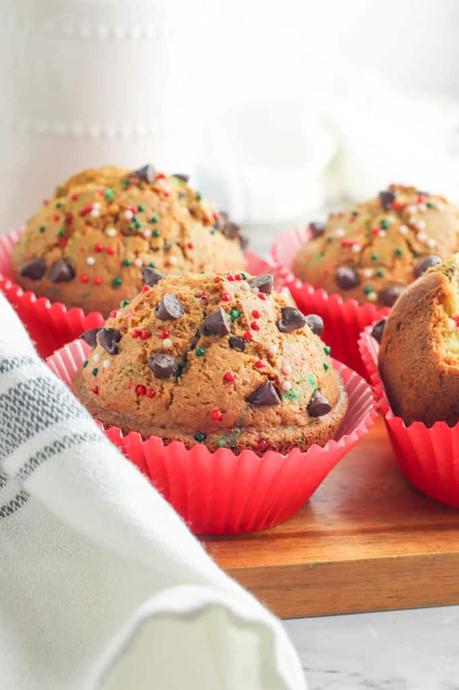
101	584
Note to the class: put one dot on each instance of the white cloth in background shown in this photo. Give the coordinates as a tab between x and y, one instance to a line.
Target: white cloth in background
101	584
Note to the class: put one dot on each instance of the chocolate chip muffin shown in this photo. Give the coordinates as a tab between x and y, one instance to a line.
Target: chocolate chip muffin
214	359
419	355
374	250
87	245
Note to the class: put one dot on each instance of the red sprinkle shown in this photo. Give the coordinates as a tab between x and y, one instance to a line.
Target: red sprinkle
256	314
97	280
160	176
56	217
230	277
84	278
98	247
145	288
217	415
74	197
347	243
259	364
398	206
456	320
95	390
254	326
217	279
262	444
190	245
85	210
140	389
238	276
110	250
225	297
144	335
151	393
135	333
69	218
165	334
228	377
261	296
247	336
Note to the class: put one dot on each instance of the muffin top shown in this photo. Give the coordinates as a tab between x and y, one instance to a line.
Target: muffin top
87	245
419	355
219	359
372	251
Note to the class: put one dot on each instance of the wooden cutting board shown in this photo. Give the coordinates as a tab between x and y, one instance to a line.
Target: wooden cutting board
366	541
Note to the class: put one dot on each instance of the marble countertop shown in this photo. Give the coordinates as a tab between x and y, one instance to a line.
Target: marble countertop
396	650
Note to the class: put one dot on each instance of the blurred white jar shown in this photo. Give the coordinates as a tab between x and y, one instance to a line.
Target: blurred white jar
90	82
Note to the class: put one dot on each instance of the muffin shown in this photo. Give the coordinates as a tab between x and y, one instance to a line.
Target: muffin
419	353
214	359
86	246
375	249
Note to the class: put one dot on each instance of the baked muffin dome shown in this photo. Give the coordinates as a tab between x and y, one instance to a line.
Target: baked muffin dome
419	354
376	248
87	245
216	359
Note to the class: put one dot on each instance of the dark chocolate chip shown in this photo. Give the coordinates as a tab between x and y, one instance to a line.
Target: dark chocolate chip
390	294
182	177
378	330
425	263
236	343
163	365
35	269
315	323
264	283
170	308
318	405
216	323
146	174
231	230
108	338
243	241
291	319
90	337
151	276
61	272
316	229
386	198
347	278
266	394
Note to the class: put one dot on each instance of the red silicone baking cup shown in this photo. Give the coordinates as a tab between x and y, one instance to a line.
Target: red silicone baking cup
50	324
427	456
224	493
344	319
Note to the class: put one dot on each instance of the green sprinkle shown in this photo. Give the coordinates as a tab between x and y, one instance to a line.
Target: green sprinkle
221	443
199	437
140	208
234	314
126	262
330	238
41	229
200	351
374	257
198	196
156	233
95	371
58	205
152	264
291	395
326	366
109	194
429	204
136	223
117	281
126	183
327	350
244	276
384	223
85	363
212	232
61	232
398	251
154	219
379	273
124	303
367	289
312	380
355	213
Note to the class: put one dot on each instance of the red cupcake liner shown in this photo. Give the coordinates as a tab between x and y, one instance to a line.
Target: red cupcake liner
223	493
428	456
344	319
50	324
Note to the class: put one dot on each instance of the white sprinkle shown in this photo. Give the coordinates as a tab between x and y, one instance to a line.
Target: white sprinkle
381	233
372	297
286	369
95	212
356	247
411	209
138	263
421	236
95	357
431	243
167	344
452	324
272	349
110	232
286	385
421	224
90	261
403	230
146	233
106	363
128	215
172	261
340	232
367	272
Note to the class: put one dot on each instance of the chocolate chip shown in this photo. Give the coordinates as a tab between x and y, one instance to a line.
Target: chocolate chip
170	308
378	330
291	320
316	229
35	269
151	276
179	176
163	365
318	405
425	263
231	230
61	272
390	294
108	338
315	323
264	283
347	278
386	198
236	343
90	337
146	174
266	394
216	323
243	241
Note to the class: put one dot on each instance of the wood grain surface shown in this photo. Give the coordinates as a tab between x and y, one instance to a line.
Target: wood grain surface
365	541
